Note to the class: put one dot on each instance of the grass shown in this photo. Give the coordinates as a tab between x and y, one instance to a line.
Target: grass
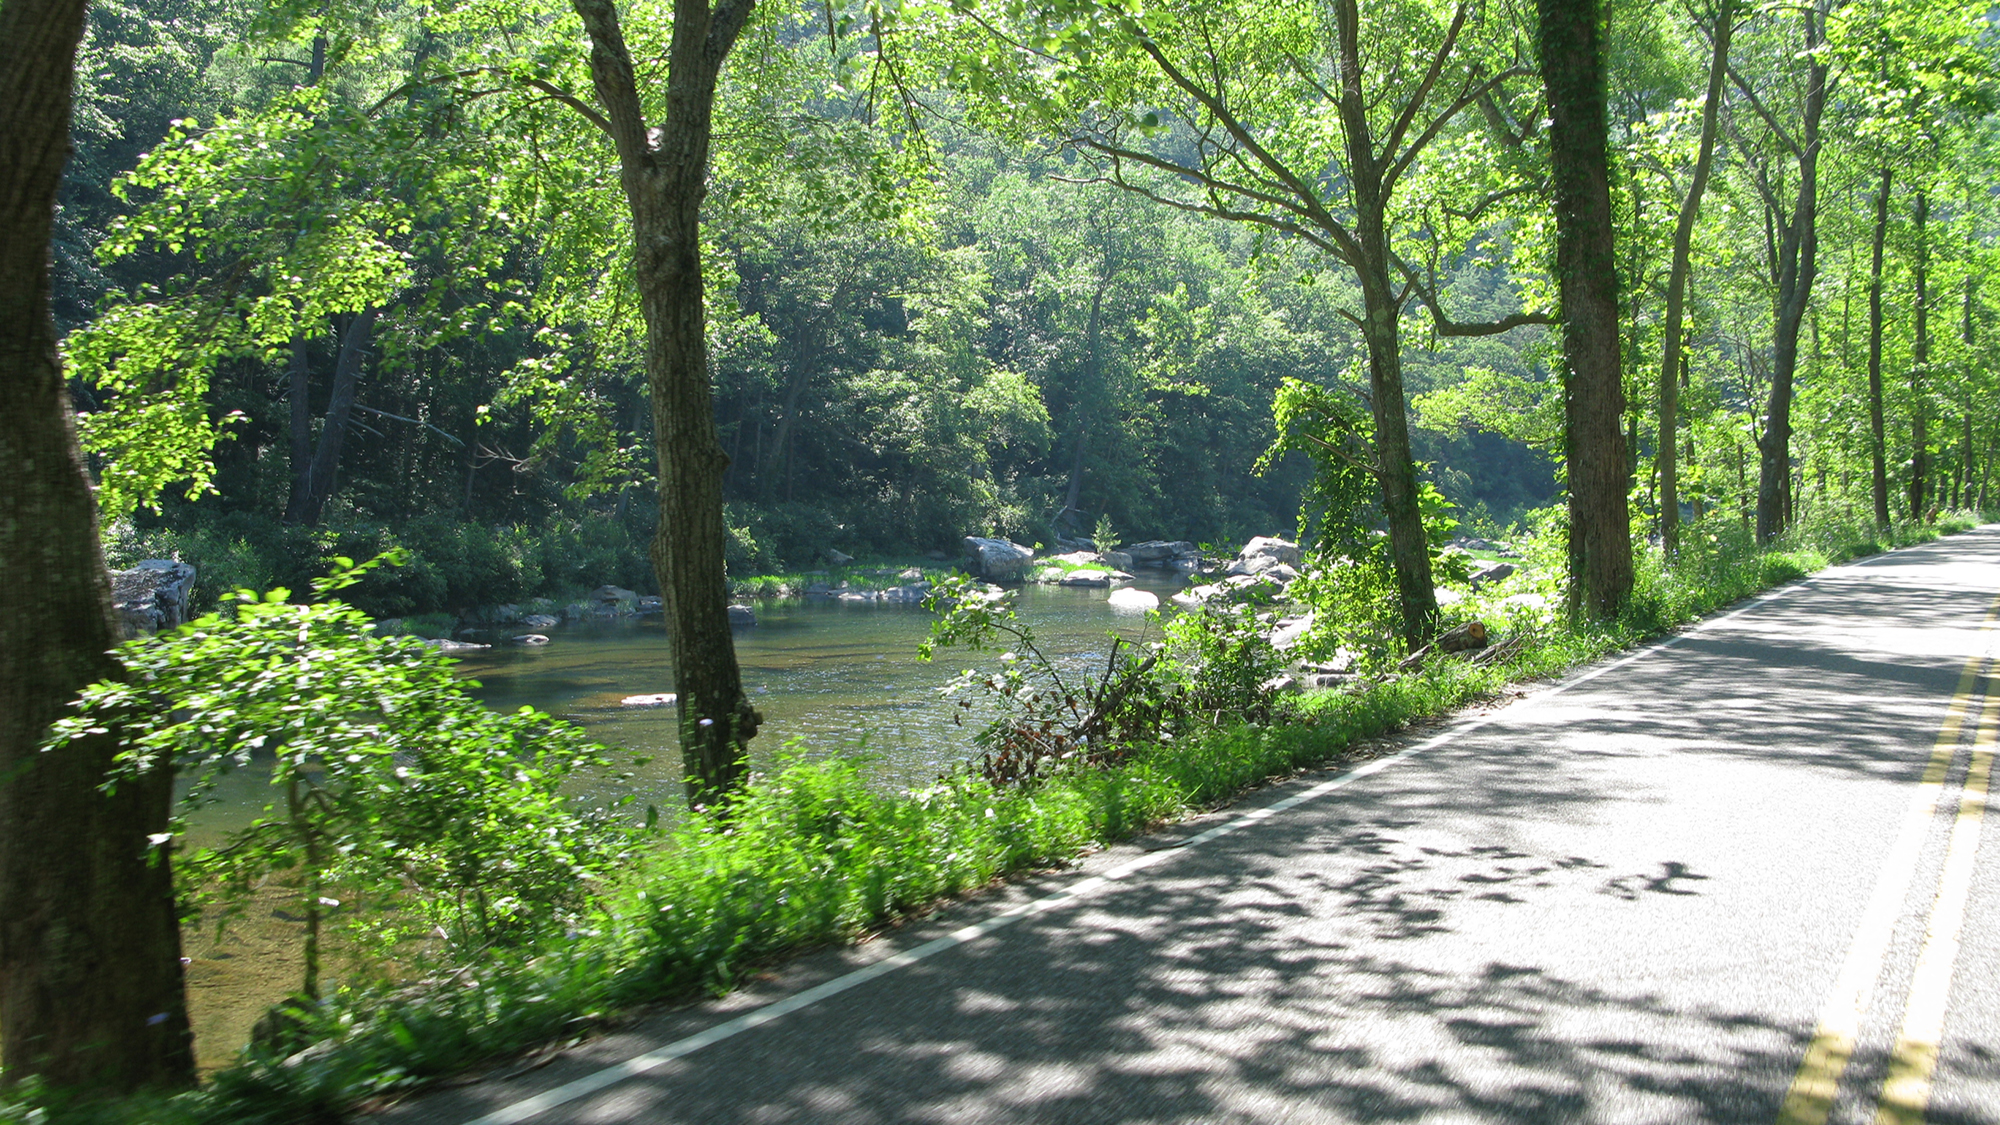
813	855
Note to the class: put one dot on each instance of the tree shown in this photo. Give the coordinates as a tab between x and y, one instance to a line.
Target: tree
1790	153
90	974
1240	112
1600	533
664	173
1673	347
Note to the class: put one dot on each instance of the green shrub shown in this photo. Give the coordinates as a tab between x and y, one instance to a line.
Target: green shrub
396	797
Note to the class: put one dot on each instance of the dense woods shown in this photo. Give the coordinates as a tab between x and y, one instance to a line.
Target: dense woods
660	295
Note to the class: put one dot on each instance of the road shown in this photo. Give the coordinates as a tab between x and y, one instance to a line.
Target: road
1737	877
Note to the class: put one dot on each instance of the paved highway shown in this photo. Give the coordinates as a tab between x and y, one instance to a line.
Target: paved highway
1738	877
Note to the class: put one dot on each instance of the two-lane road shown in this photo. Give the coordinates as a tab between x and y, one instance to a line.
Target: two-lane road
1710	881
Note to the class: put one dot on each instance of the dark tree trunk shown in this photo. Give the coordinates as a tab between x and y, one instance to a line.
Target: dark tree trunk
1798	266
300	394
1409	549
315	478
1677	278
1920	359
1966	337
1600	530
90	975
1878	439
1080	432
664	172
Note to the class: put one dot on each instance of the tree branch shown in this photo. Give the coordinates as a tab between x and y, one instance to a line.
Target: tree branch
1446	326
1423	92
617	86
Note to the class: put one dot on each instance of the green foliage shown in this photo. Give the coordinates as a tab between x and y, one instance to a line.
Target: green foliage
402	811
1350	584
815	853
1048	718
451	566
1221	666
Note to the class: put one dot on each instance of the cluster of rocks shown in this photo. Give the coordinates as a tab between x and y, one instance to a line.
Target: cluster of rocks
1176	557
913	587
1494	546
1081	568
1260	574
1080	564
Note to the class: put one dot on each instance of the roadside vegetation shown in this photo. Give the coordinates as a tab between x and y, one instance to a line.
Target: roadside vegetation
487	957
334	282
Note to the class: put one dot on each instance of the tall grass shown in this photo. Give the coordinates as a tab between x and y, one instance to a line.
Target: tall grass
813	855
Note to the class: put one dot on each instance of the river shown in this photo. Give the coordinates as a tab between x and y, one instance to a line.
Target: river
830	677
837	677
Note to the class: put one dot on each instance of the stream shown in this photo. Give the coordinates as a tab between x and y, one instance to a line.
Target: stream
836	677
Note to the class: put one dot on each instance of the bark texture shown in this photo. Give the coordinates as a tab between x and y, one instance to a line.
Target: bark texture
1920	362
664	173
90	974
1878	457
1409	549
1666	460
1796	268
1600	530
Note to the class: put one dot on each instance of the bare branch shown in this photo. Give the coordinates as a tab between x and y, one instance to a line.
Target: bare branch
1307	197
1465	99
1423	91
1770	119
1445	326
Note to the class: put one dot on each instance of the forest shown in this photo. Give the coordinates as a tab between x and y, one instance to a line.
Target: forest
520	299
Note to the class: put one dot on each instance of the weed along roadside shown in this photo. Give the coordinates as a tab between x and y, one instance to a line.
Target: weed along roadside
810	853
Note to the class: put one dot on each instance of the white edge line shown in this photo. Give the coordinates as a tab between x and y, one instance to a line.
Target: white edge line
640	1064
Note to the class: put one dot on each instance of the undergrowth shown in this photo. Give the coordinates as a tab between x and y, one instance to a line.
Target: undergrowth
813	855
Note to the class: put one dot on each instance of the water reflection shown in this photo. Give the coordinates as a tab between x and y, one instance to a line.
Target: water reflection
839	677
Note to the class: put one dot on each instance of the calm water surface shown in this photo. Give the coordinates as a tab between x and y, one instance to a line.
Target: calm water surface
837	678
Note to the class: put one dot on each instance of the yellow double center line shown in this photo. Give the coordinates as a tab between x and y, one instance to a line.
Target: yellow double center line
1908	1088
1813	1089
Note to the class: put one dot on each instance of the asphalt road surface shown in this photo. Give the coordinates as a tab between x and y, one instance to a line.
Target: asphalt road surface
1738	877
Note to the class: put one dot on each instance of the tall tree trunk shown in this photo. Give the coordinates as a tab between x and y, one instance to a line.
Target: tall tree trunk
1966	337
1600	530
1677	278
1798	267
300	394
1409	549
91	991
1878	438
1080	431
664	173
315	478
1920	360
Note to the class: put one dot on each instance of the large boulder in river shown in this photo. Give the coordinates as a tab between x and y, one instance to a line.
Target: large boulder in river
1160	552
152	596
614	599
1264	552
996	560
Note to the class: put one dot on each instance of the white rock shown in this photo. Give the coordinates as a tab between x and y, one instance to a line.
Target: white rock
1267	547
996	558
1132	601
